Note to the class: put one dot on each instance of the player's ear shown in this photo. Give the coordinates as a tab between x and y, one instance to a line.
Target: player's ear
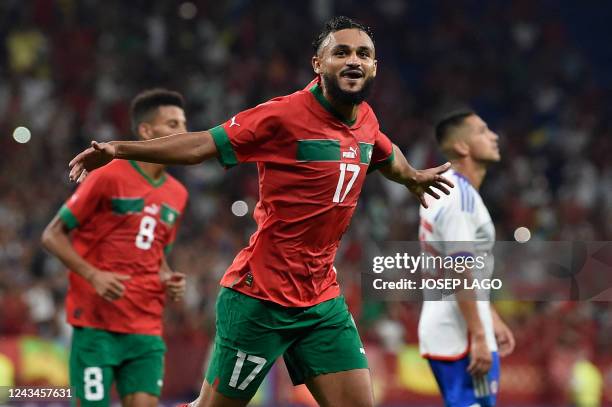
375	67
316	64
461	148
145	131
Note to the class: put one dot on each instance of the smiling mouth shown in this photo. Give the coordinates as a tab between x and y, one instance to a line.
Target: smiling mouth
352	74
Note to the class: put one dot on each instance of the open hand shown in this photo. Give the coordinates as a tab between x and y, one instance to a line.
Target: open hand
425	180
98	155
480	356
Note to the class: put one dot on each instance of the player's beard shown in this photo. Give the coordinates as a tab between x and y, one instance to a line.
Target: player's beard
330	82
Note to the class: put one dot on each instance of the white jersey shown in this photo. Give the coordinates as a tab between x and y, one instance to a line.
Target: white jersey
456	223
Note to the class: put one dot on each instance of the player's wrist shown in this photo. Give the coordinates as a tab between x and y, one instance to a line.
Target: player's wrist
115	149
477	332
409	176
478	335
89	274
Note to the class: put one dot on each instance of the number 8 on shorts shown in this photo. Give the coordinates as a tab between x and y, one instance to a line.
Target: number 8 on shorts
93	384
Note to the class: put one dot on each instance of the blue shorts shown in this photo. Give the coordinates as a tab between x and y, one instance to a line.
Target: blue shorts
460	389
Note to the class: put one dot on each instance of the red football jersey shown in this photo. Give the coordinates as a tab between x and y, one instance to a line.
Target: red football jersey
123	222
312	166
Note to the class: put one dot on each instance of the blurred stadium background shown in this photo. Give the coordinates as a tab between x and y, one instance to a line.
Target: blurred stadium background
538	72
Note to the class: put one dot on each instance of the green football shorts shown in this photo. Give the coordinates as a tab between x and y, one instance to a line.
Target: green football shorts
252	334
99	357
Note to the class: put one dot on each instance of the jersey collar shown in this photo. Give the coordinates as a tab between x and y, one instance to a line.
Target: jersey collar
463	177
317	92
154	183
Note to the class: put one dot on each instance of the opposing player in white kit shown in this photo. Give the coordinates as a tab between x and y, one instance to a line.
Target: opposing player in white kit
463	337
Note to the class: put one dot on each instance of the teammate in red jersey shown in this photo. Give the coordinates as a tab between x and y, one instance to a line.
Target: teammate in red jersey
313	149
113	234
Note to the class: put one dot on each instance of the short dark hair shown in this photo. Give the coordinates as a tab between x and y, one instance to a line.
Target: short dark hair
336	24
148	100
449	120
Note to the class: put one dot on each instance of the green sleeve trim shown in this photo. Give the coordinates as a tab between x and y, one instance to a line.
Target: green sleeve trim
168	248
66	215
227	156
382	163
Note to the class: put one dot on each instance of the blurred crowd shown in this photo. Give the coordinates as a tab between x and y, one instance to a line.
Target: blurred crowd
69	69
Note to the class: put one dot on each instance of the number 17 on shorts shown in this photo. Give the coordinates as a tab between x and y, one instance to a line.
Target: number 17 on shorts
259	364
235	373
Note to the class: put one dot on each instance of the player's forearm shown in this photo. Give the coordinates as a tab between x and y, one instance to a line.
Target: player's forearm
399	170
182	148
497	321
55	239
164	267
469	310
466	299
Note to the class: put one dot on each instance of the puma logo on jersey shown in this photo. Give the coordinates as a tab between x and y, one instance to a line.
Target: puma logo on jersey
233	122
152	209
352	153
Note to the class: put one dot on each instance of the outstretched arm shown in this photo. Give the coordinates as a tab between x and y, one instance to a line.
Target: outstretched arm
182	148
419	182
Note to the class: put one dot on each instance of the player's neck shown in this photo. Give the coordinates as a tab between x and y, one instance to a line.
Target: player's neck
470	169
153	171
348	112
